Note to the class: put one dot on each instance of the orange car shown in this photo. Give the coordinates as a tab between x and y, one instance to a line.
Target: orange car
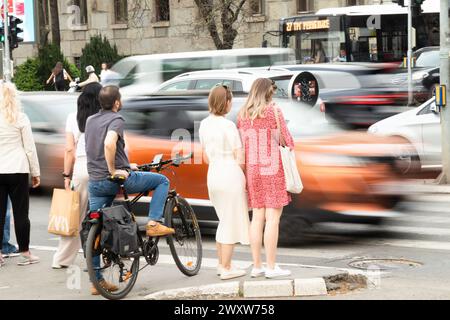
341	171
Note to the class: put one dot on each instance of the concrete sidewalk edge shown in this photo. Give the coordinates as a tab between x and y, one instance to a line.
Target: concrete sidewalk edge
341	282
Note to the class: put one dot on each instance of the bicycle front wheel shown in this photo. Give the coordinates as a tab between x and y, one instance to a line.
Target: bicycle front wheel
119	273
186	244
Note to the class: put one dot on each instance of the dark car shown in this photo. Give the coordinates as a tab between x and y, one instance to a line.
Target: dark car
426	73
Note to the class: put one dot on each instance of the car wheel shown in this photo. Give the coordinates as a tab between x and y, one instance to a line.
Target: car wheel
408	163
294	229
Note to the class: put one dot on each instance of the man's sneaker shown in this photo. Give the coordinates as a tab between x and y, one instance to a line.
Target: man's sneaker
158	230
277	272
105	285
256	273
2	261
26	260
232	274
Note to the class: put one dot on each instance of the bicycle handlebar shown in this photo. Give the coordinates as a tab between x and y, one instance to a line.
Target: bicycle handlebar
164	164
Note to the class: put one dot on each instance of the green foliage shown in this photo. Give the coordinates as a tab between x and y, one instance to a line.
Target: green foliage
97	51
33	74
26	76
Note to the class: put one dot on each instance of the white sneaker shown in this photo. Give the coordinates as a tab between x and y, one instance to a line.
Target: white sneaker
256	273
277	272
232	274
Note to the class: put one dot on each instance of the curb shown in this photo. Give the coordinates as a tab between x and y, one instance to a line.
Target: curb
312	287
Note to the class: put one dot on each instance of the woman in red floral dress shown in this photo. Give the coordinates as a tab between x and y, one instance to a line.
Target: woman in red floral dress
266	184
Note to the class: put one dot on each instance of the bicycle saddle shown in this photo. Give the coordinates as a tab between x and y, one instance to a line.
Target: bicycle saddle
117	179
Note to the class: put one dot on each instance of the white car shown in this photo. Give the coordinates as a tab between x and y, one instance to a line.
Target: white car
421	126
239	80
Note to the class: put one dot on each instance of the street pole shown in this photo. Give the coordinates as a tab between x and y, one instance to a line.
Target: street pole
6	54
444	74
410	87
7	61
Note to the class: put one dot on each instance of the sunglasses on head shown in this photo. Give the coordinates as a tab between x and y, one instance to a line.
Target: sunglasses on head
274	86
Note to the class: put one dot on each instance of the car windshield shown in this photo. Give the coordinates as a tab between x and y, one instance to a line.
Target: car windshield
428	59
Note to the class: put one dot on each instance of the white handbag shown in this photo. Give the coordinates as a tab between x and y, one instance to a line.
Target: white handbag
293	181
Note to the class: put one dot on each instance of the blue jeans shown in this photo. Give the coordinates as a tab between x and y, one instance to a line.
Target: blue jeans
102	194
7	248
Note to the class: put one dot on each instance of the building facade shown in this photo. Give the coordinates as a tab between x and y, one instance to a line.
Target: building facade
163	26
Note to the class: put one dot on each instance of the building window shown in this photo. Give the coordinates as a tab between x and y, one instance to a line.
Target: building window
120	11
305	5
162	9
352	2
82	4
256	7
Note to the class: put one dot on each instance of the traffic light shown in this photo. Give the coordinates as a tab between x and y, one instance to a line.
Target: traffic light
14	31
2	34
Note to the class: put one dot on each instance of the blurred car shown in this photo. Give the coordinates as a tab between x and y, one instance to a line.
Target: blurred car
356	95
239	81
342	171
48	112
140	75
426	73
421	127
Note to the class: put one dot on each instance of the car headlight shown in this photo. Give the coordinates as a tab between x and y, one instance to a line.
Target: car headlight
373	129
419	76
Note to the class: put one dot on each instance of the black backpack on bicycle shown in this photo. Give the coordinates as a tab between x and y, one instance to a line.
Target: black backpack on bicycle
120	232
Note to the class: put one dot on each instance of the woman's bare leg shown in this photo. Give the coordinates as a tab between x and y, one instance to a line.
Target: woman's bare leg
227	253
256	236
271	235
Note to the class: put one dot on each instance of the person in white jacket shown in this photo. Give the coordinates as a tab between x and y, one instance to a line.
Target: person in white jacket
18	160
92	77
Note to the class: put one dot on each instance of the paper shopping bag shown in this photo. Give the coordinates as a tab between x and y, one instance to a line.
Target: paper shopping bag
64	219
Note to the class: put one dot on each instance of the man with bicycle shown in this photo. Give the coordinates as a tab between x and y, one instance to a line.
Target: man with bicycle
106	157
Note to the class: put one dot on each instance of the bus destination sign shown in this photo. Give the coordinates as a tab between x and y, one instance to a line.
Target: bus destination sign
307	25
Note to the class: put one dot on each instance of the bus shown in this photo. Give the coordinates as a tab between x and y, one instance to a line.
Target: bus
367	33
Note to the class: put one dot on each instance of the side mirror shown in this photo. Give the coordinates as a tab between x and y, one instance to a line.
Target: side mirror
434	109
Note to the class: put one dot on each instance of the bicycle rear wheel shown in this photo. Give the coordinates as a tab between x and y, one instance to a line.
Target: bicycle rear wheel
186	244
117	271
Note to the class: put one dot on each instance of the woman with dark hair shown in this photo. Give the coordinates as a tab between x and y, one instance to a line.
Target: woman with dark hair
59	76
75	167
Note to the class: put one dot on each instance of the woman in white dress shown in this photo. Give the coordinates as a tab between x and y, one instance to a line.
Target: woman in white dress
223	151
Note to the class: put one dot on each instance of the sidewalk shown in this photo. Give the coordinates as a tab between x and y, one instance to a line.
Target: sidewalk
40	282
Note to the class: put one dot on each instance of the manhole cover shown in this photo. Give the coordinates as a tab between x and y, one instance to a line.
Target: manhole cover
384	264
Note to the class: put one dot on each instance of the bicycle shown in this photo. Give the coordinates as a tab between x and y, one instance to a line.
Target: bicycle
185	245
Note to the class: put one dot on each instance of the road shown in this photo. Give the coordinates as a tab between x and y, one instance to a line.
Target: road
419	239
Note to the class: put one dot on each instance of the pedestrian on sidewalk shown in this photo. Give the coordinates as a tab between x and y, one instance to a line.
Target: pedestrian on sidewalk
75	168
8	250
224	153
59	76
266	184
18	159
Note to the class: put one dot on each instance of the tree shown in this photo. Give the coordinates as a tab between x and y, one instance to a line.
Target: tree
43	29
97	51
227	12
54	16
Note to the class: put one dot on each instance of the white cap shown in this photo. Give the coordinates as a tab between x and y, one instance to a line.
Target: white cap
90	69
